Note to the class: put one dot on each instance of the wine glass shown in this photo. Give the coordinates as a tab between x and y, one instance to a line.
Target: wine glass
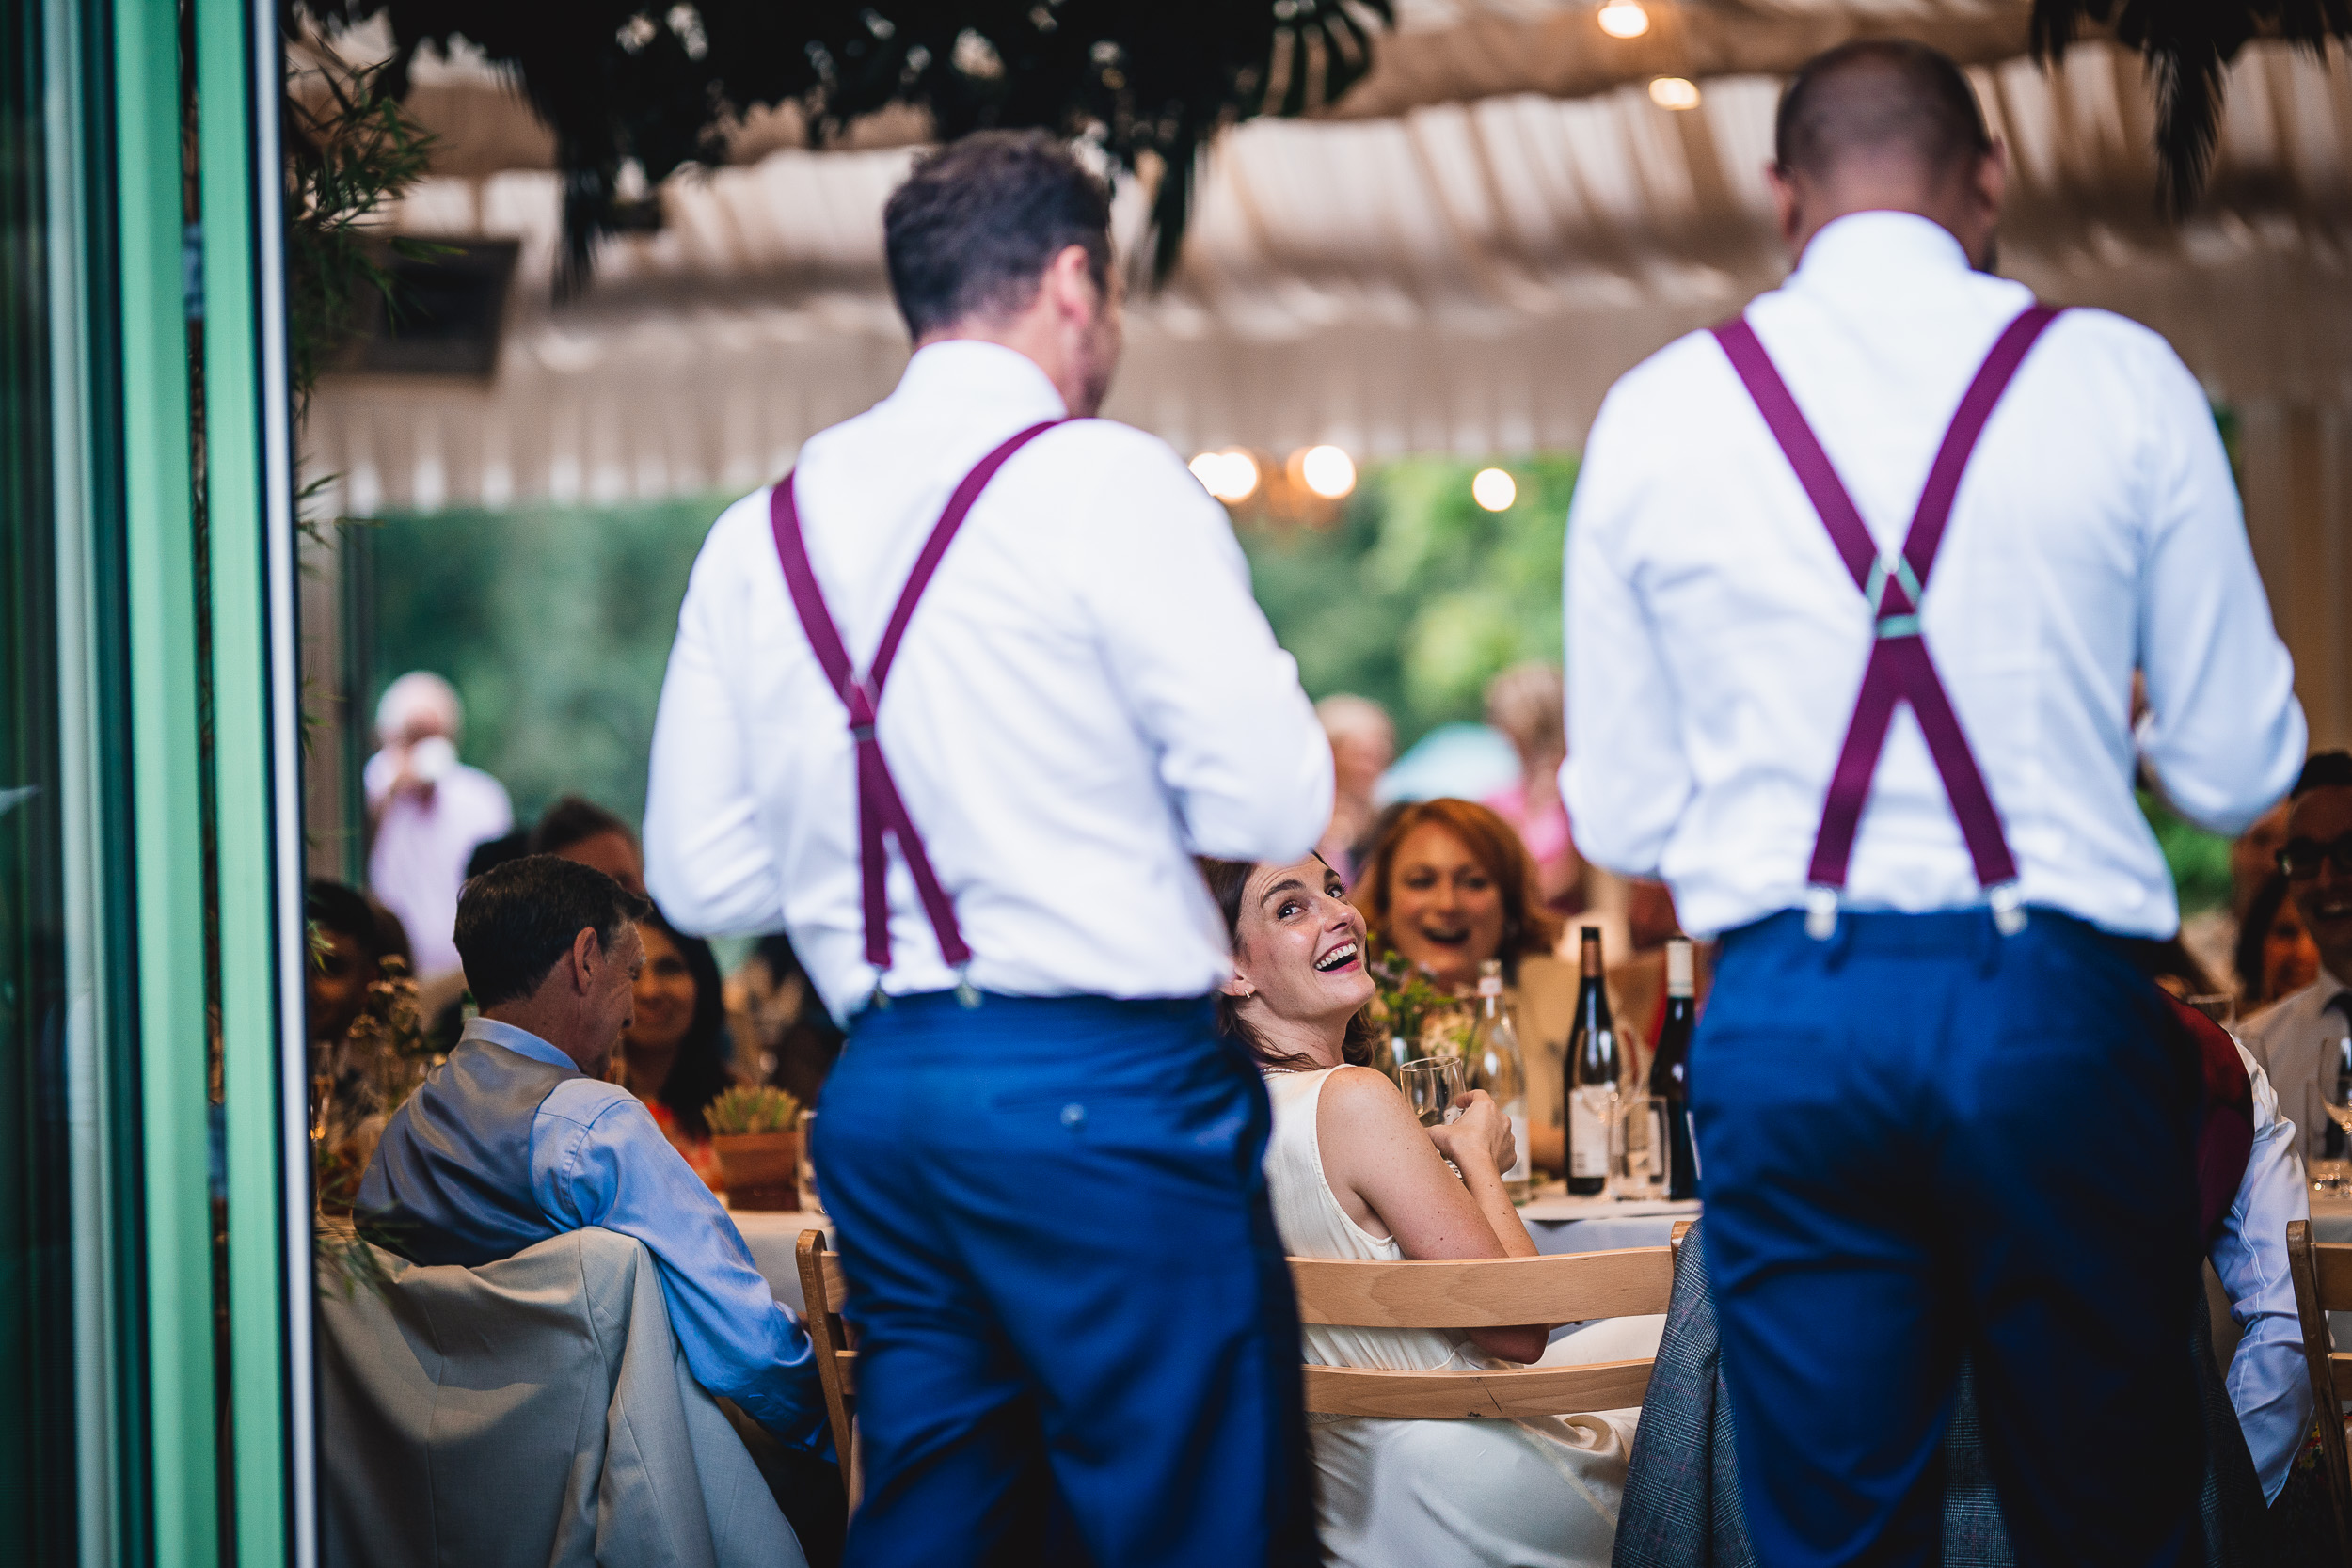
2331	1173
1432	1085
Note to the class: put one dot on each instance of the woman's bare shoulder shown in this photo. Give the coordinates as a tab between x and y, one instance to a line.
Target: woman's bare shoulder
1360	1090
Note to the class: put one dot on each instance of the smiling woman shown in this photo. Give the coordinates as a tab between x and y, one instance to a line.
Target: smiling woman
1449	886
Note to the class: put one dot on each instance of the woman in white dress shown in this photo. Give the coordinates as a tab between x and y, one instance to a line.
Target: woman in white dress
1352	1174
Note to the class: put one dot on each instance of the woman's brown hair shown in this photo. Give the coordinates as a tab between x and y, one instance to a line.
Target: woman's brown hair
1529	928
1228	881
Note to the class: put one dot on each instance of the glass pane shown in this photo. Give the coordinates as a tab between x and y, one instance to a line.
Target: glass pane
37	1446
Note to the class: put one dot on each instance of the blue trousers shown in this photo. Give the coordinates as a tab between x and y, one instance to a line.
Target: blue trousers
1921	1136
1077	1337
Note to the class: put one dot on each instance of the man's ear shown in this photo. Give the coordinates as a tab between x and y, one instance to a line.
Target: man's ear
587	953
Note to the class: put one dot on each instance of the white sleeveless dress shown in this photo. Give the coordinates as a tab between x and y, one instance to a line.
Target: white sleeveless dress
1537	1493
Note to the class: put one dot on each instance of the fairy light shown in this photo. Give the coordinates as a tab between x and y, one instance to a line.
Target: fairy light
1673	93
1623	19
1494	489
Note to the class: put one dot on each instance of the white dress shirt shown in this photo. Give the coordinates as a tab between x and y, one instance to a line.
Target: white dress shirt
1716	641
2270	1385
1087	698
422	842
2289	1037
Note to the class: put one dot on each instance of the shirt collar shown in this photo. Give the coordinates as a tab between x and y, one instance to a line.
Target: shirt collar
522	1042
1879	256
963	370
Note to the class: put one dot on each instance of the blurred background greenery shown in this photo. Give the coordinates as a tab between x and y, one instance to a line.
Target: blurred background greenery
555	623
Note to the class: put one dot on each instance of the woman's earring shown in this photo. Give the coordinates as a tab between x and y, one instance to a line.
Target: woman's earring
1246	991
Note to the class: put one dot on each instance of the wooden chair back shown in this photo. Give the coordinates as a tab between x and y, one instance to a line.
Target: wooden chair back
2323	1284
824	1289
1493	1293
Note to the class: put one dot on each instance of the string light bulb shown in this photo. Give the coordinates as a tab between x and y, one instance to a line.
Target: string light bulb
1231	476
1328	471
1673	93
1623	19
1494	489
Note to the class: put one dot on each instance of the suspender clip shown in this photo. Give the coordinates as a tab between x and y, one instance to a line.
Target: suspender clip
1899	625
864	733
967	993
1820	912
2009	909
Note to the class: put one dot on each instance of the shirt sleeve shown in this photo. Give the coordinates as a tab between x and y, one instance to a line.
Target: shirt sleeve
606	1163
2224	733
1167	592
1625	781
707	863
2269	1382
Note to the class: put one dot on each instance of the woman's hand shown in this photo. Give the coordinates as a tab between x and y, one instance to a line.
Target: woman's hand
1479	1138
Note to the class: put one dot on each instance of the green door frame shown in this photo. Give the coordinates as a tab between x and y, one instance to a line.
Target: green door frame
257	785
246	569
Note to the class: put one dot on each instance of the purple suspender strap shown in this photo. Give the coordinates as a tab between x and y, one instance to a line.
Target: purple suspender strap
880	809
1899	669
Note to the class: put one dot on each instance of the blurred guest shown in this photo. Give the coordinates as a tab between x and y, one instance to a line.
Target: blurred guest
2290	1036
1525	702
2275	953
669	1052
498	852
783	1034
1449	886
1352	1174
428	810
1363	743
351	936
357	946
2255	857
518	1137
579	830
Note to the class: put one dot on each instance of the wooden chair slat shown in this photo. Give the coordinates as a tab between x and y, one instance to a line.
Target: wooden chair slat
2310	1264
2333	1265
1448	1396
1487	1292
823	1287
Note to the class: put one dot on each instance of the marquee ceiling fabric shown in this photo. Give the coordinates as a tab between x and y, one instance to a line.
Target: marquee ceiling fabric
1452	276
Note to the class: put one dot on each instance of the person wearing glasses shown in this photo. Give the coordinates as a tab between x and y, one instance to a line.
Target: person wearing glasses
2288	1038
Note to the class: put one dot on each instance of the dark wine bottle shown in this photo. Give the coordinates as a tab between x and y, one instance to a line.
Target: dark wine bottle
1670	1071
1594	1067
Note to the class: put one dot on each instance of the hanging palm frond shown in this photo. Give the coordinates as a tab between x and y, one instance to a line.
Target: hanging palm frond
663	84
2188	45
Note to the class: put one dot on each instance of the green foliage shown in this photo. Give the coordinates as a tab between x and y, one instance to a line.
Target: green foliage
752	1108
2198	860
662	85
1418	596
351	150
554	623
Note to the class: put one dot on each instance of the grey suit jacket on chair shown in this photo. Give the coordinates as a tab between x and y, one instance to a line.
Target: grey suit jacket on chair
531	1413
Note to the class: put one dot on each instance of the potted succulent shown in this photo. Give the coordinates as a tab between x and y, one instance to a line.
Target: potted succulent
753	1131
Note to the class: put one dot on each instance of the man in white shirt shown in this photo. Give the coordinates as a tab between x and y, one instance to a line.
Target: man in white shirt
2291	1037
428	810
1042	1162
1935	1105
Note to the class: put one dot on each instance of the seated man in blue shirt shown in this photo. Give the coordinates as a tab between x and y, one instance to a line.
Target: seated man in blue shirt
518	1137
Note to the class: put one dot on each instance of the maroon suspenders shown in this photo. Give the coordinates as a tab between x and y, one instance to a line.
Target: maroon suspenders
880	809
1899	669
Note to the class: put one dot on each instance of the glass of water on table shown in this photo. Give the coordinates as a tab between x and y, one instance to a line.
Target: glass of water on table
2331	1172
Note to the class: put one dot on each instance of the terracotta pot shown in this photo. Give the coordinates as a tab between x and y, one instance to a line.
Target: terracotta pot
762	1170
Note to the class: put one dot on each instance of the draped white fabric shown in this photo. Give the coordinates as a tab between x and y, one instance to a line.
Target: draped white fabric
1464	277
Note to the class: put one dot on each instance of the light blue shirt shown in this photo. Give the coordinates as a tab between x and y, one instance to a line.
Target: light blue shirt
597	1157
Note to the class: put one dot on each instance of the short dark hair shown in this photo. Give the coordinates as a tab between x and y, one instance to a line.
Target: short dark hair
976	222
574	819
2324	770
1882	96
346	911
516	920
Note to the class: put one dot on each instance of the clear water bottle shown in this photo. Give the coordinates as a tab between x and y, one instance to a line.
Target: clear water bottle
1497	1066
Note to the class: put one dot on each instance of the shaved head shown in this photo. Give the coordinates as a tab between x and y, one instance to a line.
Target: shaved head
1885	125
1879	99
